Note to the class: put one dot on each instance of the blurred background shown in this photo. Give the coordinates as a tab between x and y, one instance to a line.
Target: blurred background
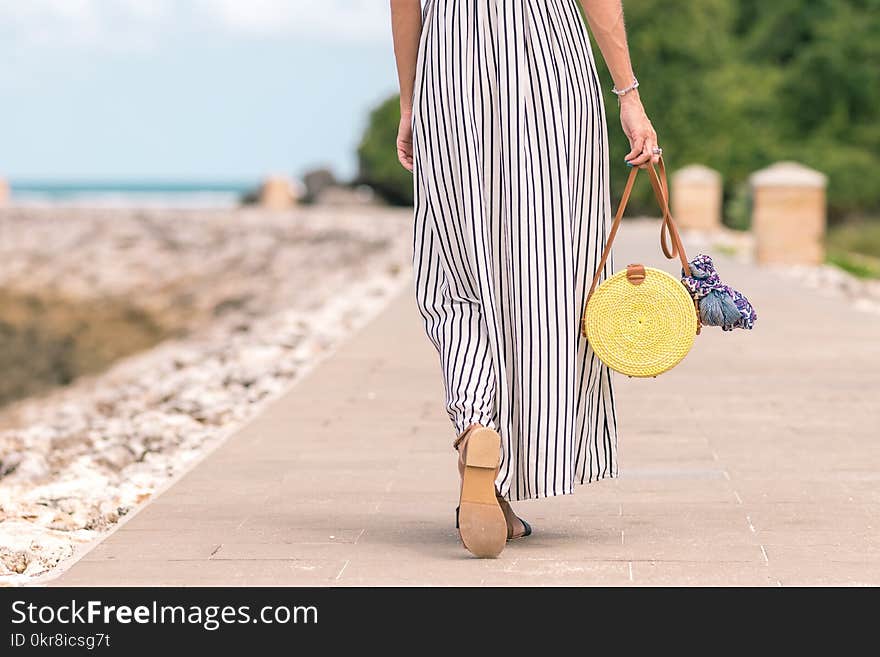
738	85
185	104
198	198
205	98
182	234
210	95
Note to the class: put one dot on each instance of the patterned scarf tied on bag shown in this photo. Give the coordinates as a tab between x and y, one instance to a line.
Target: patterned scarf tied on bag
720	305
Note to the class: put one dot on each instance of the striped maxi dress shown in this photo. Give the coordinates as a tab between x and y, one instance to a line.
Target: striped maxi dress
511	210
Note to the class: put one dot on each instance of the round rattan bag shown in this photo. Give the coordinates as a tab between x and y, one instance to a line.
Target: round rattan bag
641	327
642	321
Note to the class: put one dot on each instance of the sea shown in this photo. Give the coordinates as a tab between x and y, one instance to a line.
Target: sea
131	194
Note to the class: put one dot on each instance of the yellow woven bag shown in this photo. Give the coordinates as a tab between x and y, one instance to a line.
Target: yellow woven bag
641	321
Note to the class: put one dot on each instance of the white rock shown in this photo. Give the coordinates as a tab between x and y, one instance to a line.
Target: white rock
26	466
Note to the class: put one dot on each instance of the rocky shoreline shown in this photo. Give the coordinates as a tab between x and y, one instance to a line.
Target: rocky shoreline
251	301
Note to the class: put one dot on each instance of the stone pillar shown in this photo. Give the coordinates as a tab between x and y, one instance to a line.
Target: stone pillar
788	214
4	192
696	198
277	193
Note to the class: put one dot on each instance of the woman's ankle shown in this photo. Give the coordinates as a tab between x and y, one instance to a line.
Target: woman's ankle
464	434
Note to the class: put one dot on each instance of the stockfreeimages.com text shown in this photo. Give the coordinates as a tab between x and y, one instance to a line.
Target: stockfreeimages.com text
211	617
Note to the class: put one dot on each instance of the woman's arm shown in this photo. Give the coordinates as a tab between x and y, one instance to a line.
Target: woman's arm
406	25
606	22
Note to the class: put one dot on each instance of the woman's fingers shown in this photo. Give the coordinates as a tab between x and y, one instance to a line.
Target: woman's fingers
638	143
404	155
646	152
404	150
643	156
651	148
405	141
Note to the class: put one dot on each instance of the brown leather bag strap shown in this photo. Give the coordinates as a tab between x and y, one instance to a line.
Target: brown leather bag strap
663	199
613	232
668	229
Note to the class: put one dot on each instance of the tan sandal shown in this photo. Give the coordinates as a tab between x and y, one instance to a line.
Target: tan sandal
510	518
481	521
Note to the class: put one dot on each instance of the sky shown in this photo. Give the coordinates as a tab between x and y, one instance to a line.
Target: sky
198	90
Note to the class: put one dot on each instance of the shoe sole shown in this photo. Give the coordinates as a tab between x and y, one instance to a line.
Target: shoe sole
481	521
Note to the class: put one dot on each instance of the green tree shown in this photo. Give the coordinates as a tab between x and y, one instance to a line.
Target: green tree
829	94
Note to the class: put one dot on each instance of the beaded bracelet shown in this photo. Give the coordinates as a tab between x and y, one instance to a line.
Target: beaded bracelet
622	92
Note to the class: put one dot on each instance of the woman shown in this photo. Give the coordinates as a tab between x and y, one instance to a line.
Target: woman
503	126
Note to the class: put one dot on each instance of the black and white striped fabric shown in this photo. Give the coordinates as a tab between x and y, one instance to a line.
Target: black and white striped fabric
512	202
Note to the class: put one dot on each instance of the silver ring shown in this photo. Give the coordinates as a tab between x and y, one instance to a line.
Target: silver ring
657	151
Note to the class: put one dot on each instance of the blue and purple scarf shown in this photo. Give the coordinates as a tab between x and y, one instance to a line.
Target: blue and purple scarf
720	305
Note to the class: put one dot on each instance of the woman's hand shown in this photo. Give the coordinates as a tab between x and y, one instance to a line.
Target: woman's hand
404	140
639	131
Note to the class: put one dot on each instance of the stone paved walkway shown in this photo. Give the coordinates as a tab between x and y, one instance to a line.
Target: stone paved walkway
756	462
